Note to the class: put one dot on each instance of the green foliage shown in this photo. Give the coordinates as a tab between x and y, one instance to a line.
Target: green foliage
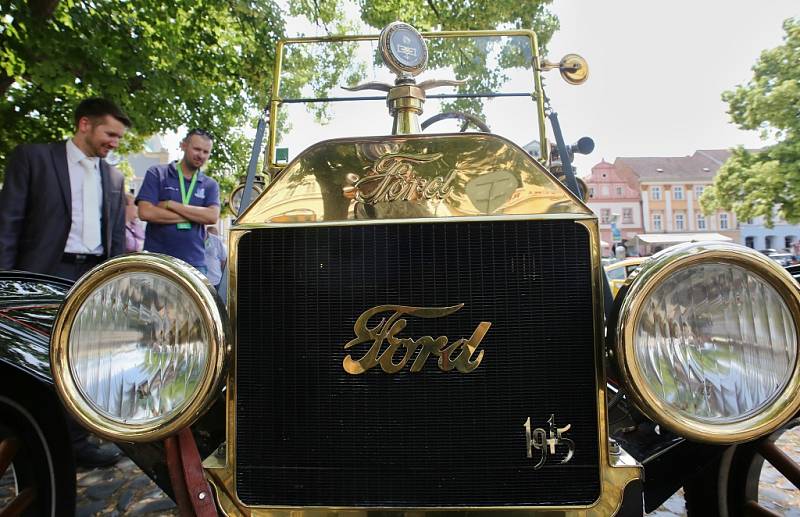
452	15
449	15
756	183
192	63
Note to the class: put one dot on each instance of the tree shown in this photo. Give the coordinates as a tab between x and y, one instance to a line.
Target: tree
193	63
451	15
190	63
757	183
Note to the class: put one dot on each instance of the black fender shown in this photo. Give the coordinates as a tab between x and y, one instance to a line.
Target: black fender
28	306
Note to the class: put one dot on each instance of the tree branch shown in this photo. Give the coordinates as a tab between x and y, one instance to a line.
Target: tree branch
436	12
43	8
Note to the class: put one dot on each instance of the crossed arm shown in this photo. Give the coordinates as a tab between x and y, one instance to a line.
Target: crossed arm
170	212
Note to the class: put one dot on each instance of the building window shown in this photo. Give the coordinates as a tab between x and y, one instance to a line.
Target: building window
655	193
789	241
679	221
656	221
605	215
769	242
698	191
677	192
604	190
627	215
750	242
619	191
723	221
701	222
591	192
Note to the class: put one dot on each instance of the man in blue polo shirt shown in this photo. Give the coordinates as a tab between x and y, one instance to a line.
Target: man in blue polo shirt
177	200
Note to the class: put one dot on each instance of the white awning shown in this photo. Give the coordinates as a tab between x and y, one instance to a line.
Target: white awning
675	238
604	244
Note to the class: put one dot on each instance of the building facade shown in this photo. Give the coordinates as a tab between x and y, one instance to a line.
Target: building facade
153	153
781	237
614	197
670	192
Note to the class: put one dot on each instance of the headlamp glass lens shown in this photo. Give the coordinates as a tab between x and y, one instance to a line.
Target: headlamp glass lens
716	342
138	348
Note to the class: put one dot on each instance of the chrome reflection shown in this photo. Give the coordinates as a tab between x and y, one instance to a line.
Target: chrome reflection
716	342
138	348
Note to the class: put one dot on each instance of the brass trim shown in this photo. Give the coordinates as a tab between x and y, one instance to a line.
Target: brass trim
643	281
421	220
616	471
391	60
443	175
573	68
214	317
387	330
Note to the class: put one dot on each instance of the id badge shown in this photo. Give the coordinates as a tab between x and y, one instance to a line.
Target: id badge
184	226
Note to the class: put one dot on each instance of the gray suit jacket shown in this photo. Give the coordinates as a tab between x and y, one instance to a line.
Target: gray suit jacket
36	208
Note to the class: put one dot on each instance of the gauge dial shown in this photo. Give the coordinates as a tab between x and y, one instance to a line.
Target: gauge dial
403	49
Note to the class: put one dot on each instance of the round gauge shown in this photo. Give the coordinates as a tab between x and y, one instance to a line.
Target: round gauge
403	49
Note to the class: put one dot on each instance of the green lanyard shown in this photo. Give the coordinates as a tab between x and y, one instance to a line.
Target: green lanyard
186	196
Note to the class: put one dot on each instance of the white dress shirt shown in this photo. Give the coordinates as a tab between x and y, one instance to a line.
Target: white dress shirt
76	173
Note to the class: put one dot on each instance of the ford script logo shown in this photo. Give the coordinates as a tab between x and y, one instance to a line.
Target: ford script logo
392	178
462	354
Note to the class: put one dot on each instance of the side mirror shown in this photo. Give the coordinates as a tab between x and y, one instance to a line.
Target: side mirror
573	68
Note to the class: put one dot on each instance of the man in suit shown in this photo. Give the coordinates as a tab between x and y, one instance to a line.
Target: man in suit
62	207
62	211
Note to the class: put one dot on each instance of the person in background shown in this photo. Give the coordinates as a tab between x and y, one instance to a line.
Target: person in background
216	256
178	200
62	207
134	229
62	212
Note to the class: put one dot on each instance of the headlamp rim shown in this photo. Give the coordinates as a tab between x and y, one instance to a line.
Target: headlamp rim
644	281
212	313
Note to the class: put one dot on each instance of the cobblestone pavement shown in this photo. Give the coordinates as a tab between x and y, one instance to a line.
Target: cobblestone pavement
120	490
123	490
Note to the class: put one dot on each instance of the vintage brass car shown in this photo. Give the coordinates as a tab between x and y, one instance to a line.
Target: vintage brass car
415	323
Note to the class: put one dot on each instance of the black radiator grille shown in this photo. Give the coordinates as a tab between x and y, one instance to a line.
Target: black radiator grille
310	434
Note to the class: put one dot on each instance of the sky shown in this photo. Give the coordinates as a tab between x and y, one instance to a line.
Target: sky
657	72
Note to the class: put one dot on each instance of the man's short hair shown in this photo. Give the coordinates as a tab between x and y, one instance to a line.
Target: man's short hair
199	132
95	108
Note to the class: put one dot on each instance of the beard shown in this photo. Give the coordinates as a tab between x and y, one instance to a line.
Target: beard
97	148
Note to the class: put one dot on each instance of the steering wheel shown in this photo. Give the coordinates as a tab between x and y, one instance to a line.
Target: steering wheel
466	118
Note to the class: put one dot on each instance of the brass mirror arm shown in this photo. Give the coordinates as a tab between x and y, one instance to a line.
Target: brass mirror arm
549	65
546	65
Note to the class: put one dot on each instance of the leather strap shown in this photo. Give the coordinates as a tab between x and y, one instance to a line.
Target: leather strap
197	486
193	494
181	495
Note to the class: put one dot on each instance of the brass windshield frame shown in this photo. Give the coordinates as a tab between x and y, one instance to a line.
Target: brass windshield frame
275	100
